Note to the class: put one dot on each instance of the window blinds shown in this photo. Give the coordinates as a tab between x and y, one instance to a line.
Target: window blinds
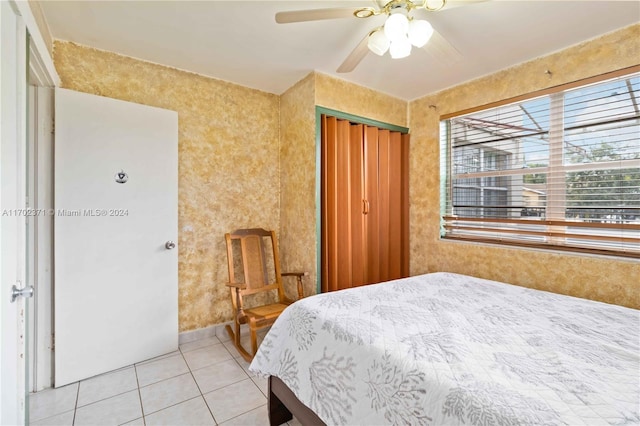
561	170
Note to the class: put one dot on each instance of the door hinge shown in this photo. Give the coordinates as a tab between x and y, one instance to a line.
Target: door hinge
53	341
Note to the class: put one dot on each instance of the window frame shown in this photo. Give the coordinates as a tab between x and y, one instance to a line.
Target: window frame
555	222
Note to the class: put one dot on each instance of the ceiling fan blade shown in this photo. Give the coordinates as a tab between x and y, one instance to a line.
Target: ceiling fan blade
355	57
313	15
441	51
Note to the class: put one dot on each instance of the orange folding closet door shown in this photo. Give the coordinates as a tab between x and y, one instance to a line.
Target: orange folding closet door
364	204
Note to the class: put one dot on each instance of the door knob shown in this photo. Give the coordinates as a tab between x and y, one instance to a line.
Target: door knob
22	292
169	245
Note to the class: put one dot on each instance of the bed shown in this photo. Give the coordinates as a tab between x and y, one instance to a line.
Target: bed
445	348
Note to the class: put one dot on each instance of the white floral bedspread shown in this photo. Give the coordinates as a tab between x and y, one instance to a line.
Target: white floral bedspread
450	349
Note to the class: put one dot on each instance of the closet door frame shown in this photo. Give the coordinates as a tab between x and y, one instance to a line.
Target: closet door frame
360	120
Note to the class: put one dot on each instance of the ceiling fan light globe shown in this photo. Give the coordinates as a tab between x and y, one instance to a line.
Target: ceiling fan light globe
400	48
419	32
378	43
396	26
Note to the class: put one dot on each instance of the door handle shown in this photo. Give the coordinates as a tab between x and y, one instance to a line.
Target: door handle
169	245
365	206
23	292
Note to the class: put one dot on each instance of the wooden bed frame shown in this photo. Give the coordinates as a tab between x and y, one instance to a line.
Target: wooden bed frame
283	405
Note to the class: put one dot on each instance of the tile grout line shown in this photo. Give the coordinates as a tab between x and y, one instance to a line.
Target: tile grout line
110	396
201	394
246	412
252	381
177	403
75	407
200	390
144	421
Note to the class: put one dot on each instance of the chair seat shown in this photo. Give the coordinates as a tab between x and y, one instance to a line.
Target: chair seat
266	312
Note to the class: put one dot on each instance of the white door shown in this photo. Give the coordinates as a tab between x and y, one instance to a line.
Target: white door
116	202
12	214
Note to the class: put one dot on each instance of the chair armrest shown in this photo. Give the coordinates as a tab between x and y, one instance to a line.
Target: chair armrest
298	276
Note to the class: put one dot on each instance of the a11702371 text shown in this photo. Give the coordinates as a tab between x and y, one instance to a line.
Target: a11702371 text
29	212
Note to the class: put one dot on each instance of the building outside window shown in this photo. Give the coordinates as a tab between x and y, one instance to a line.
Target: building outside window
558	171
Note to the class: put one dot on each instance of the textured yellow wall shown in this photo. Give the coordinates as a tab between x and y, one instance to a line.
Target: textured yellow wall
297	182
604	279
350	98
228	162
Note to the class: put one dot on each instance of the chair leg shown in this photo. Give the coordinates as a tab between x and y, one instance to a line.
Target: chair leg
235	339
254	339
300	291
231	334
237	333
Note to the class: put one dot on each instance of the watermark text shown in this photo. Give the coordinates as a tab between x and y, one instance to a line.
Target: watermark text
28	212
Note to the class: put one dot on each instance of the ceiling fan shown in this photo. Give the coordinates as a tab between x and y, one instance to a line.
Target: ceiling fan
398	34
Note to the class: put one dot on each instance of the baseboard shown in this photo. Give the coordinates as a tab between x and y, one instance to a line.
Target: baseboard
202	333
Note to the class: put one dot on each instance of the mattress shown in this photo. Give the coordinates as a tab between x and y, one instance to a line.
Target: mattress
444	348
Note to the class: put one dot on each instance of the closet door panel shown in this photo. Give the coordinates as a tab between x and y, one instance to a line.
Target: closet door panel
357	205
372	216
342	259
342	222
384	207
336	244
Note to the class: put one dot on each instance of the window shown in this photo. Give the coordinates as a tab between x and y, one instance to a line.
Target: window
557	171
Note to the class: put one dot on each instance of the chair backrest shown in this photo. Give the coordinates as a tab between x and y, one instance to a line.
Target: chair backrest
253	260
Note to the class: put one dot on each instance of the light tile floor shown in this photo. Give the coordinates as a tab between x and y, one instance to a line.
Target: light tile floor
205	382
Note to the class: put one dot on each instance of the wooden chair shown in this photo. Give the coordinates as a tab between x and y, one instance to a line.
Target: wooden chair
254	268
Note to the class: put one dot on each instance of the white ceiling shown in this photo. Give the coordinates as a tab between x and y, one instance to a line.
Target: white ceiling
239	41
